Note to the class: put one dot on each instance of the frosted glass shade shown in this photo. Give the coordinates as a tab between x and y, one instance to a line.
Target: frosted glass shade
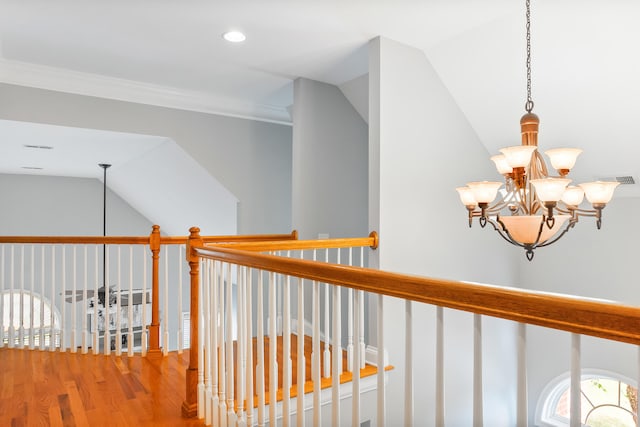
550	189
501	164
484	191
563	158
573	195
524	229
599	192
466	196
518	156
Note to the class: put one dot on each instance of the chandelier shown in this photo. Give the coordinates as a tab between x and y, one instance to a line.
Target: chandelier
535	209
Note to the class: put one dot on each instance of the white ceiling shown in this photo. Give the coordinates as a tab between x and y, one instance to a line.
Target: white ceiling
585	60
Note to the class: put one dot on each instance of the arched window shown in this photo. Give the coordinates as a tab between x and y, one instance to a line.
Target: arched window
607	399
38	325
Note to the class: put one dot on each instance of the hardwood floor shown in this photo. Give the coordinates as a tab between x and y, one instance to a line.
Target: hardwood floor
41	388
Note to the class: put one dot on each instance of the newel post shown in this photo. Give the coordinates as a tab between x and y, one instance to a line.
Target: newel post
190	404
154	328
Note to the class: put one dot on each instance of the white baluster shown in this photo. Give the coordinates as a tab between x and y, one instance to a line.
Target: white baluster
336	352
273	348
477	371
32	306
85	310
363	348
231	414
355	400
315	353
130	337
144	338
165	314
206	310
181	259
2	306
52	335
522	416
286	352
350	364
215	315
242	358
327	338
119	302
107	303
260	369
42	276
249	346
222	371
21	328
12	330
440	367
381	400
408	361
74	287
301	374
575	413
201	334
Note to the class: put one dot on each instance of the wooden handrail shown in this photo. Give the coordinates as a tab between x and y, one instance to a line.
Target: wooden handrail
573	314
284	245
181	240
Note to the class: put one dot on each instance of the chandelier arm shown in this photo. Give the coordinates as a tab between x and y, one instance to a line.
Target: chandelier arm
557	237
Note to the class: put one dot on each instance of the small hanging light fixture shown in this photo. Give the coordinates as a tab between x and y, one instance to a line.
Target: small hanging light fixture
535	209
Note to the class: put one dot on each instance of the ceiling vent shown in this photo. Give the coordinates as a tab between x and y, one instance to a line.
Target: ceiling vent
39	147
37	168
623	180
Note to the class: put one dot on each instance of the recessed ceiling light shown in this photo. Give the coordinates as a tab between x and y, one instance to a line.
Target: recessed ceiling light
234	36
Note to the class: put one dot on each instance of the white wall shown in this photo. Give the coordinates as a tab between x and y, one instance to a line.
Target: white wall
249	158
329	163
591	263
421	148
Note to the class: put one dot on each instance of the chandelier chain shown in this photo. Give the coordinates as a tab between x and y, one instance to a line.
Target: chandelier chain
529	104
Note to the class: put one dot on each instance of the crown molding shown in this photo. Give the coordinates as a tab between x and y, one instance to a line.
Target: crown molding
62	80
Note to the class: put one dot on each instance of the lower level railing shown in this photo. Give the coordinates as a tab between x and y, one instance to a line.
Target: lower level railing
235	320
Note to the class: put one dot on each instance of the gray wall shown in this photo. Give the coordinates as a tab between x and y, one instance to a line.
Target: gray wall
329	163
251	159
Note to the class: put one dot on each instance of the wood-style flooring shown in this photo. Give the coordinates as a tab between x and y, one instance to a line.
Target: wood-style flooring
42	388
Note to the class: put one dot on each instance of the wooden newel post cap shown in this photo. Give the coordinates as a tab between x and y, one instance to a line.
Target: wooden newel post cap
154	239
194	232
194	240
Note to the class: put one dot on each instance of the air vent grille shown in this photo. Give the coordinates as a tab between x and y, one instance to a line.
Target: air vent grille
32	168
623	180
38	147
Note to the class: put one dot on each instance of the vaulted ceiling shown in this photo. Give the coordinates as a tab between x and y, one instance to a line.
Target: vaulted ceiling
585	61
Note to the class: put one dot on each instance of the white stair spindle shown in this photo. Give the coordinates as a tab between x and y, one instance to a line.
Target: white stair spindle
249	347
206	310
300	336
32	304
231	414
286	352
201	342
574	394
52	335
94	326
107	305
74	287
355	400
222	370
273	348
42	279
11	331
130	337
165	315
2	306
336	352
521	410
361	331
440	367
22	314
260	369
213	325
380	400
181	258
350	360
316	359
408	361
242	358
84	306
118	313
145	300
477	371
327	338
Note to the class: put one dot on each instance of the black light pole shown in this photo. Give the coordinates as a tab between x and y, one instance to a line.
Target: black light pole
104	166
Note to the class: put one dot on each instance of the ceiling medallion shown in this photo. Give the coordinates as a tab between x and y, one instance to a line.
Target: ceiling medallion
534	209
